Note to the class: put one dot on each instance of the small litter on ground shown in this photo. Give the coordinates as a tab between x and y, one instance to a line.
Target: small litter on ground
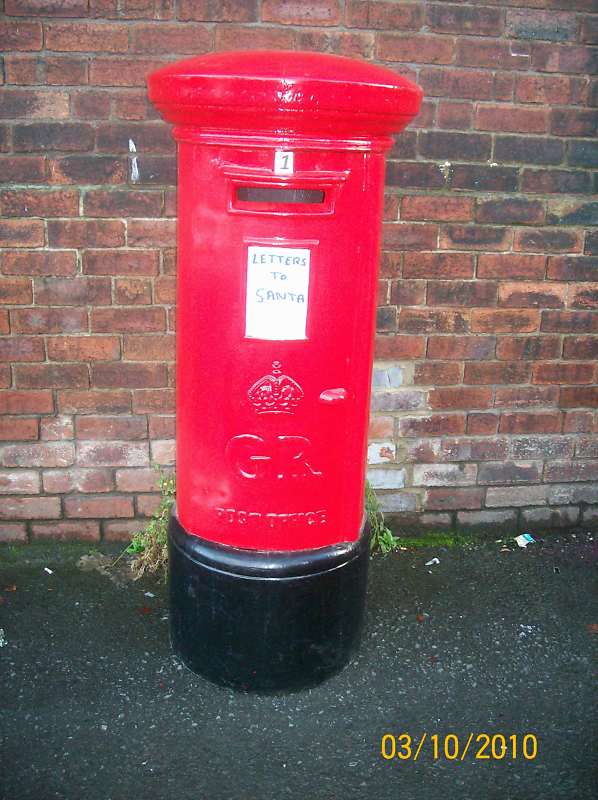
432	561
524	539
3	641
48	570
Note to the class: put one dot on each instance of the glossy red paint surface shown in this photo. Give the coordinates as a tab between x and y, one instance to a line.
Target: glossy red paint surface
277	277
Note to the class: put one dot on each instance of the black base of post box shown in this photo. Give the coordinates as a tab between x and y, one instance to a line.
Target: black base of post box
267	621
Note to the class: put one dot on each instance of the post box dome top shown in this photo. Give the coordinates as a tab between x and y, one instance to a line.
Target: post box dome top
284	92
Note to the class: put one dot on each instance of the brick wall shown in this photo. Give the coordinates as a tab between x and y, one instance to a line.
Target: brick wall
486	391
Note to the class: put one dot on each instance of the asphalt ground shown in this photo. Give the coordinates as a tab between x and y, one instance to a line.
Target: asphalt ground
93	705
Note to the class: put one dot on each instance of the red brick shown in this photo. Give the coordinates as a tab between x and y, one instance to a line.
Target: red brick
583	347
66	71
38	202
565	471
584	296
165	290
454	115
153	401
22	348
98	507
86	37
461	293
128	320
122	374
121	71
296	12
484	178
169	38
48	320
383	15
4	326
18	481
237	37
578	422
132	291
94	401
557	26
67	531
532	295
208	11
517	210
464	20
14	429
118	203
441	499
83	348
60	136
13	532
511	266
13	402
148	137
496	372
147	504
21	70
149	348
430	320
528	347
163	452
434	425
574	268
90	105
30	508
54	8
526	396
482	424
61	481
54	376
573	122
156	170
548	90
18	35
86	233
89	169
114	428
407	293
137	480
560	373
165	427
570	321
454	146
400	347
405	174
152	233
16	291
416	49
409	236
112	454
56	429
551	240
511	118
461	347
537	422
438	265
33	104
120	262
504	321
22	169
460	397
550	57
72	291
38	454
21	233
467	84
474	237
441	208
56	262
437	373
491	54
579	396
555	181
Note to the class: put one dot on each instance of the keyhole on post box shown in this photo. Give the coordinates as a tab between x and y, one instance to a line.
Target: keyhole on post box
274	194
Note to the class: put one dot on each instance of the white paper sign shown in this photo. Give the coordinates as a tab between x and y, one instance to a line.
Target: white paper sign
277	292
283	162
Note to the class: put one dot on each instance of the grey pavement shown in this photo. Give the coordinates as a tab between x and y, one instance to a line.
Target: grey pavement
94	706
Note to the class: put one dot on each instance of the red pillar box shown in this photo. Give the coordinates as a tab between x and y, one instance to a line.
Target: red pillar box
281	176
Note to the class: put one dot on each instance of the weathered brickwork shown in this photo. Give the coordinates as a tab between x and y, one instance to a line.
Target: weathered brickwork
485	404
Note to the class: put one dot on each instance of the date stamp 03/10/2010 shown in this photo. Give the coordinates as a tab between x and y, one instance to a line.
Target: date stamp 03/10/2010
451	747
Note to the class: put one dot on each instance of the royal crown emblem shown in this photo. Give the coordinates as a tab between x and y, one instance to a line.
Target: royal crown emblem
275	393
